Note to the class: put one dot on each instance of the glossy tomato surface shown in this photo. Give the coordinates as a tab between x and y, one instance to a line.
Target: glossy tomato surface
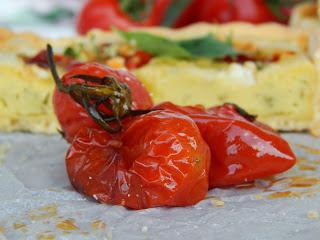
242	150
221	11
159	159
72	116
105	14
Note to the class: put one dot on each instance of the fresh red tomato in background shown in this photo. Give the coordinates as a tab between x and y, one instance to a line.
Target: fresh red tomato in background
72	116
158	159
105	14
222	11
242	149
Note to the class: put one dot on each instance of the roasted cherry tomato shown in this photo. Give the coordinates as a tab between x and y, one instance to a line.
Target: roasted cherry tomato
105	14
158	159
72	116
41	60
242	149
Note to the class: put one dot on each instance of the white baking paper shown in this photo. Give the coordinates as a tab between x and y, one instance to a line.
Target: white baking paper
37	201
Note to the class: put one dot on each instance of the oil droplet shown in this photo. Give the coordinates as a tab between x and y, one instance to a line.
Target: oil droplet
45	236
301	182
286	194
311	150
304	167
258	196
314	215
68	224
98	224
43	212
302	160
18	225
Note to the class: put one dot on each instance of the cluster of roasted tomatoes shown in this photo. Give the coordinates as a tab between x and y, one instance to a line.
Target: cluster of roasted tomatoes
105	14
125	150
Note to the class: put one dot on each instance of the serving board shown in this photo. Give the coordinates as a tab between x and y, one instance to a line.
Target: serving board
37	201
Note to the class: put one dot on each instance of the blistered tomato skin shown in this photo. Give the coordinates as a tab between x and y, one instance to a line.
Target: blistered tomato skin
242	149
159	159
72	116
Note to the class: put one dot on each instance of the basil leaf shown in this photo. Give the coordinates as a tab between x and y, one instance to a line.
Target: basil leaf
71	52
209	47
206	46
175	10
155	45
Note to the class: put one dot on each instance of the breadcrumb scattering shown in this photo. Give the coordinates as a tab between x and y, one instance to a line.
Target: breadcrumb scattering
314	215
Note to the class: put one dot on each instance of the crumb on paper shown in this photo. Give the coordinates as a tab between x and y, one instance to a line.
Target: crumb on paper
18	225
305	167
144	229
216	202
67	225
43	212
45	236
98	224
308	149
285	194
314	215
258	196
2	229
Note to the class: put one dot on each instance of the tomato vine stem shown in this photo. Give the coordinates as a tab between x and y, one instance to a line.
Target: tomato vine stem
105	99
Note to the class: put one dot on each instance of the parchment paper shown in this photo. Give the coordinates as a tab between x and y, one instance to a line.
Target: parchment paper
37	201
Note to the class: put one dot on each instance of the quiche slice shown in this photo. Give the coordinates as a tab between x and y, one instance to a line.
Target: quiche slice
279	81
305	15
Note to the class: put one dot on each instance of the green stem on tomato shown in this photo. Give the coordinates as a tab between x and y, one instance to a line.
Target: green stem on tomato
103	91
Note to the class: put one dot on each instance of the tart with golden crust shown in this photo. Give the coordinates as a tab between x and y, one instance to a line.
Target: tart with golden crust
278	81
305	15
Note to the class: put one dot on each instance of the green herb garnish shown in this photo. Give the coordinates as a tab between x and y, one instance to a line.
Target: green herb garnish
71	52
207	46
155	45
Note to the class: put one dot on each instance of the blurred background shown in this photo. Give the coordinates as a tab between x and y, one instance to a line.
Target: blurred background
52	18
57	18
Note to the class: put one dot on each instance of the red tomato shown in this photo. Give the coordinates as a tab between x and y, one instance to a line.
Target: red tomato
188	15
221	11
158	10
104	14
41	60
159	159
139	59
242	149
72	116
